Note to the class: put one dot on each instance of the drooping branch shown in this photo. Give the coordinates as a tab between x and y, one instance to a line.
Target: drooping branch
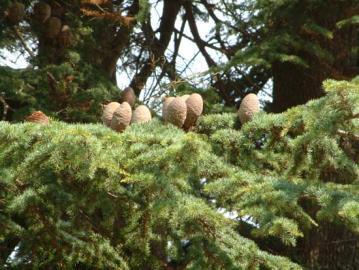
23	42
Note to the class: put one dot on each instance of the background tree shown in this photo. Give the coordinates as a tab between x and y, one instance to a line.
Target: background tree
253	40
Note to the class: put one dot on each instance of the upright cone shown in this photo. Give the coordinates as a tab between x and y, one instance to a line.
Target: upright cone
42	11
108	111
37	117
249	106
176	112
166	102
121	117
15	13
129	96
53	27
194	109
141	115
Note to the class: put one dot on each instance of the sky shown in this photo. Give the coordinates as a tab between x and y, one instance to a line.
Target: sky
187	51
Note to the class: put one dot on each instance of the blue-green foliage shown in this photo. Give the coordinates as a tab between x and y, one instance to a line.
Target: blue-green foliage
85	196
88	196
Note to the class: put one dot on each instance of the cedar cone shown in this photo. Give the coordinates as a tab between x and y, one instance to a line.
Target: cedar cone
194	109
15	13
249	106
37	117
53	27
129	96
176	112
108	111
141	115
42	11
121	117
166	102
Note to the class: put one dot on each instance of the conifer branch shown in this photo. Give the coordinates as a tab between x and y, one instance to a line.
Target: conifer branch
6	107
22	40
348	134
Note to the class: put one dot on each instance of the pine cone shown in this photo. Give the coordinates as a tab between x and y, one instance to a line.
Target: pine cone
15	13
53	27
65	37
141	115
37	117
129	96
108	111
42	12
166	102
121	117
194	109
176	112
249	106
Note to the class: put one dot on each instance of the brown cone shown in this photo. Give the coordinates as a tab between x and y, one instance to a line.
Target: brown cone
42	12
249	106
53	27
194	109
15	13
108	111
121	117
141	115
176	112
65	37
37	117
166	102
129	96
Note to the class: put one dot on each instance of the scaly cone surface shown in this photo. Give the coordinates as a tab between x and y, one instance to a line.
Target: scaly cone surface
121	118
108	111
176	112
141	115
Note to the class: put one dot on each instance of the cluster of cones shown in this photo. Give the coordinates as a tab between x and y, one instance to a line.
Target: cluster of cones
182	111
47	16
118	116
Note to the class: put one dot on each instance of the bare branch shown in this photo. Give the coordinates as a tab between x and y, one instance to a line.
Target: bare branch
22	40
348	134
6	107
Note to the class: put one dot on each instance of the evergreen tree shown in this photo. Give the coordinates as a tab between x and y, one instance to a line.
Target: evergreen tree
314	40
252	43
279	192
83	196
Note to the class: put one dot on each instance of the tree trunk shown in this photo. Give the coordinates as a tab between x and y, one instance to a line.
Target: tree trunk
294	84
329	247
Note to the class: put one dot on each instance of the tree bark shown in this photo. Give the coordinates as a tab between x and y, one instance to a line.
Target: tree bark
295	85
329	247
159	46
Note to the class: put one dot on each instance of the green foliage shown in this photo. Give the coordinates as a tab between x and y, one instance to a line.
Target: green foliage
144	10
57	90
85	196
305	154
347	22
293	30
80	196
134	193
